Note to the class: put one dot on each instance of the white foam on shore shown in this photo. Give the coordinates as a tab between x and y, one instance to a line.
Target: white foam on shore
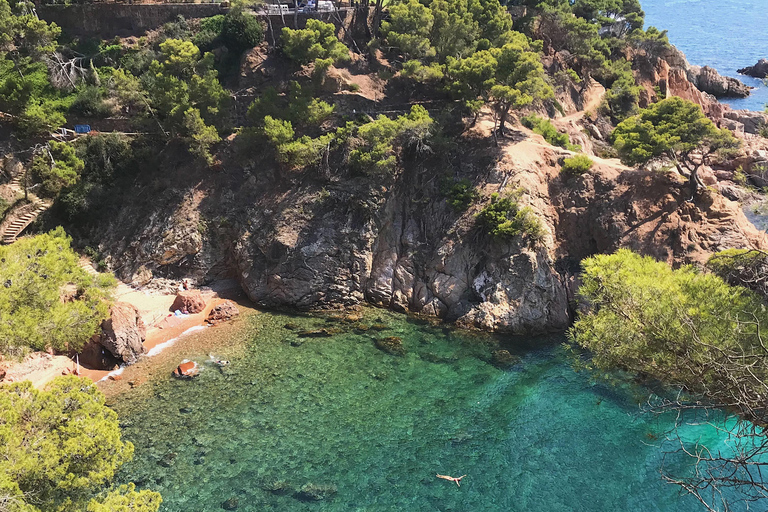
162	346
113	372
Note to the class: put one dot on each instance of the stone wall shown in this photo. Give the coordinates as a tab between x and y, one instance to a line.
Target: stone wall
110	19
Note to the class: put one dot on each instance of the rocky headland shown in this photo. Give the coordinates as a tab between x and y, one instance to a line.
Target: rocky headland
759	70
302	241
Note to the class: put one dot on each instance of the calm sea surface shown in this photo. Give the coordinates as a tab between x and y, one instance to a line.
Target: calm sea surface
299	423
724	34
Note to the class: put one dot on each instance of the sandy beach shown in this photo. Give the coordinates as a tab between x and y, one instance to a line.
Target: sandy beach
162	328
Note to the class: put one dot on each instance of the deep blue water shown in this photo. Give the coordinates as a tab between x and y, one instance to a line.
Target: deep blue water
724	34
372	429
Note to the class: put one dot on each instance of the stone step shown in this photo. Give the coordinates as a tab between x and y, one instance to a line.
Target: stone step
20	224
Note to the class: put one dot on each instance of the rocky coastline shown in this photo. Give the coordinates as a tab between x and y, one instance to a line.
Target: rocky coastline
303	243
759	70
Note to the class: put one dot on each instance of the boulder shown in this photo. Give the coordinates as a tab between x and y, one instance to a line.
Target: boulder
186	370
222	312
752	121
708	80
759	70
189	301
123	333
3	373
736	127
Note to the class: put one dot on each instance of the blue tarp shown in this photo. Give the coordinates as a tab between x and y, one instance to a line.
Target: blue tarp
82	128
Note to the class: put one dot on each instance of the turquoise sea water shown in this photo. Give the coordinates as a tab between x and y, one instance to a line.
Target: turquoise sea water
295	418
724	34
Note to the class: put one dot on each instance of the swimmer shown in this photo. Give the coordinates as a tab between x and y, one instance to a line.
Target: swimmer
220	362
452	479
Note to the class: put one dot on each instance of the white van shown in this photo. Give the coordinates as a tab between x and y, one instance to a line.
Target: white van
276	8
325	6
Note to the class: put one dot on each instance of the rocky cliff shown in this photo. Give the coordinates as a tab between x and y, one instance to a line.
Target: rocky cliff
330	237
305	242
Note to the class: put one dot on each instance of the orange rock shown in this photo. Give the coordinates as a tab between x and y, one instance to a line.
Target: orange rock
187	369
115	377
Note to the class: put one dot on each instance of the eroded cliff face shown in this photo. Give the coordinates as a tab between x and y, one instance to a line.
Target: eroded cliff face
304	241
331	238
403	247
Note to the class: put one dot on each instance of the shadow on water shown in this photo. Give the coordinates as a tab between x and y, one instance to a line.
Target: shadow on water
316	413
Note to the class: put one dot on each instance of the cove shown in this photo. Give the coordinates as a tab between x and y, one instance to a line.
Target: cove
295	417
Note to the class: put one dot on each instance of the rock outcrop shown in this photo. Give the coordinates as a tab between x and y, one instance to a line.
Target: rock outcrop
189	301
124	332
223	312
330	237
708	80
759	70
186	370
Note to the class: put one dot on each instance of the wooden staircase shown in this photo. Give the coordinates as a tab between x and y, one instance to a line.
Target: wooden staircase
16	181
14	229
86	265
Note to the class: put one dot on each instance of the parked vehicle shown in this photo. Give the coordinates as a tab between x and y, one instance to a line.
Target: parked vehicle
325	6
276	9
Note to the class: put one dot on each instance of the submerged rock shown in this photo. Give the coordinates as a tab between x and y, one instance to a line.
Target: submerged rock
315	492
391	345
503	359
230	504
319	333
759	70
278	487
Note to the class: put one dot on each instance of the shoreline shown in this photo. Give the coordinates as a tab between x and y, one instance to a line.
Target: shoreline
41	367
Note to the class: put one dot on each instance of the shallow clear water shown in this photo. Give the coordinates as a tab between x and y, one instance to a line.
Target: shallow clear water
724	34
341	414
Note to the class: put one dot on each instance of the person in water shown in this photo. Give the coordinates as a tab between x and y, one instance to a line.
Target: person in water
219	362
452	478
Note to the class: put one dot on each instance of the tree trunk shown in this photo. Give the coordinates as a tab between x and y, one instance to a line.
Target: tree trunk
377	17
503	120
694	182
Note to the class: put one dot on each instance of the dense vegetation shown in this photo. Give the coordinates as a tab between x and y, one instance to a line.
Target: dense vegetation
60	447
668	324
676	129
693	331
504	218
682	327
47	300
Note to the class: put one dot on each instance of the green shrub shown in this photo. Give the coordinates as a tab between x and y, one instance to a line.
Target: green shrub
546	129
576	165
34	272
682	326
278	131
460	194
60	446
374	151
241	31
317	41
503	217
421	73
57	167
90	103
297	106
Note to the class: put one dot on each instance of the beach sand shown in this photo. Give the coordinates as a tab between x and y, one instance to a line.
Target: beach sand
40	367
